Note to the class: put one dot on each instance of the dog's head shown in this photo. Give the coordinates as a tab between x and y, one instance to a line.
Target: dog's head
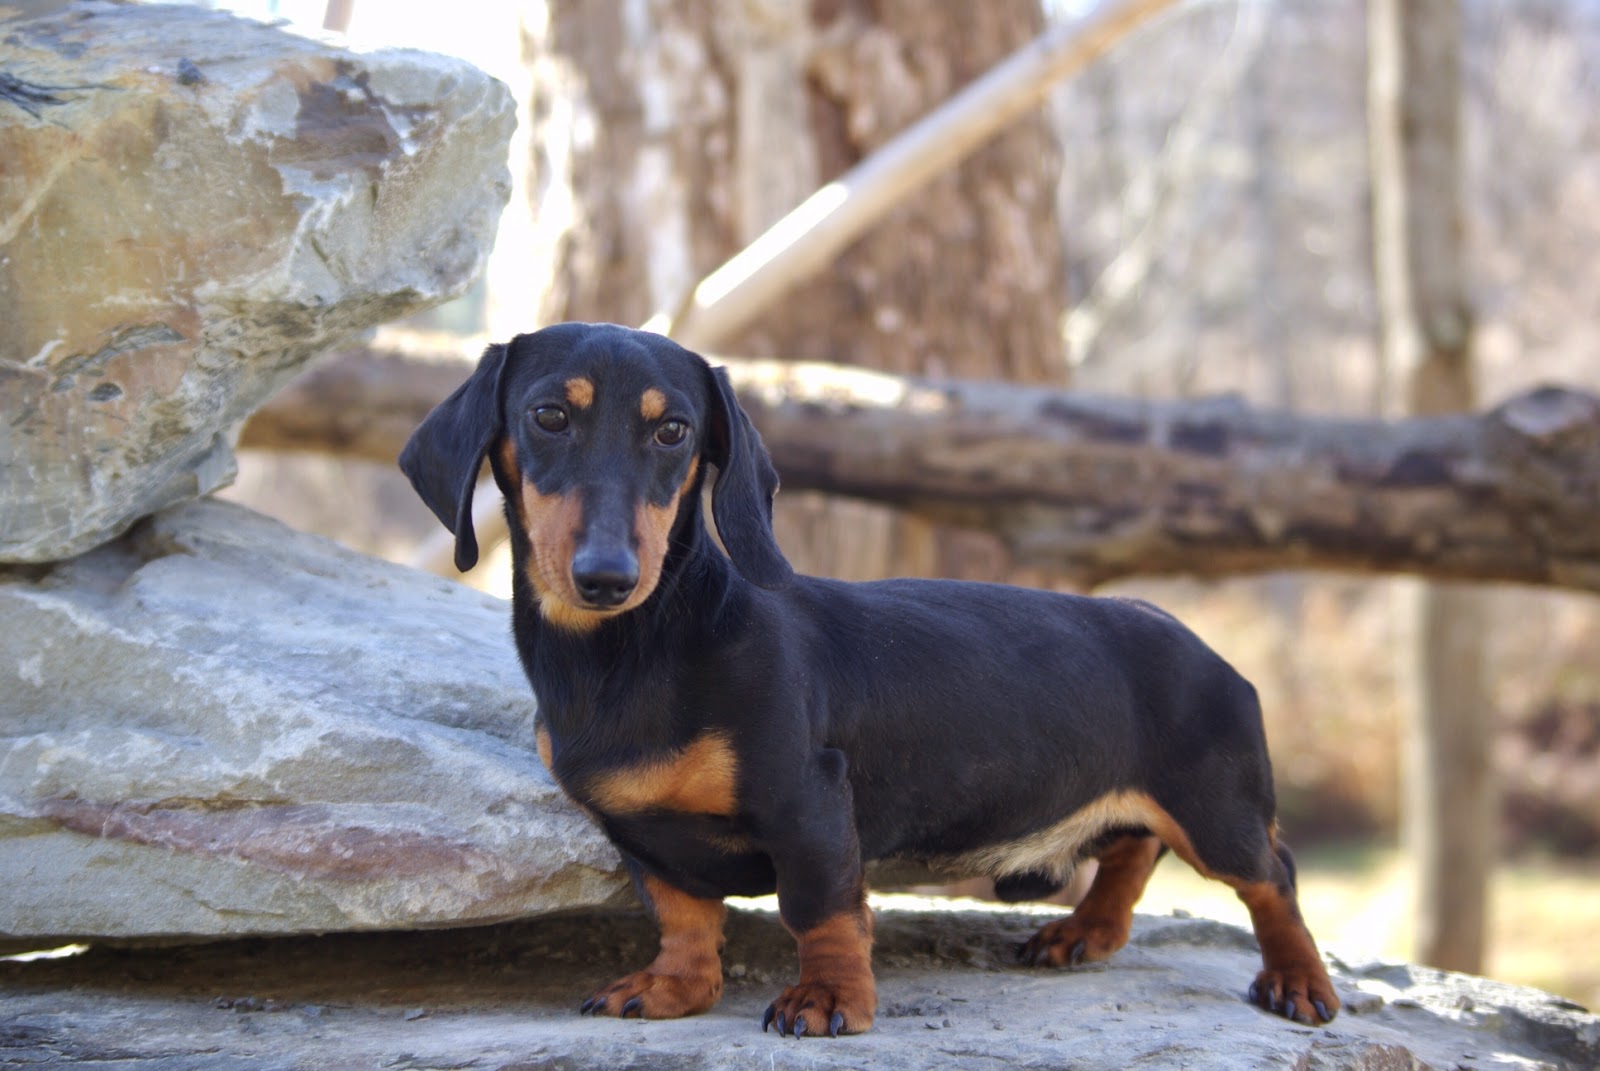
597	436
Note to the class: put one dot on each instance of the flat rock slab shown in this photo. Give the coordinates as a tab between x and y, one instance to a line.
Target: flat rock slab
219	726
192	206
505	997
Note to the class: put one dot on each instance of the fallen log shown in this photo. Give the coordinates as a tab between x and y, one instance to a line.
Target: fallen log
360	403
1099	487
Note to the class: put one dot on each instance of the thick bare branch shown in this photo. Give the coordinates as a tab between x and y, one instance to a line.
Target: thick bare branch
1101	488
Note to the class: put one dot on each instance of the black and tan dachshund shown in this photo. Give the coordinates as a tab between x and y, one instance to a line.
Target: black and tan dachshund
738	729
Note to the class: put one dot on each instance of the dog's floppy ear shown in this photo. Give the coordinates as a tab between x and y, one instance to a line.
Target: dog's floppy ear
443	455
741	499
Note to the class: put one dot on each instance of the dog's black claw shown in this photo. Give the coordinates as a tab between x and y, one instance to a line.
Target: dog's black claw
1255	993
1075	957
799	1026
633	1007
783	1026
766	1017
1288	1008
836	1024
1322	1010
593	1004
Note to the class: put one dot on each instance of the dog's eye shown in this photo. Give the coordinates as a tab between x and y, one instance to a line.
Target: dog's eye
551	418
671	433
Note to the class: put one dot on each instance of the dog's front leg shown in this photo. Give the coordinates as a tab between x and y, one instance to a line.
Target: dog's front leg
822	900
686	975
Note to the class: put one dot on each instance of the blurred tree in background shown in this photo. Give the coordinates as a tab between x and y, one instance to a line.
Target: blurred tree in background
1425	319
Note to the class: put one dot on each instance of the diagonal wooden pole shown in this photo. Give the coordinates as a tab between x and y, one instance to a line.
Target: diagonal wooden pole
808	238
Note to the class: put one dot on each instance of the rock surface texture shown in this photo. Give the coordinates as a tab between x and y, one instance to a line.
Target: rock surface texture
950	996
192	206
215	725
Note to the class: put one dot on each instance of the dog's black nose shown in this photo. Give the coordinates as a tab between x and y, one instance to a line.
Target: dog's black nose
604	579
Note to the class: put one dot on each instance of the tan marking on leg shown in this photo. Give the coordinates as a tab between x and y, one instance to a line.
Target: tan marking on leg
1293	977
1293	980
1102	921
1293	973
700	779
652	403
1280	930
580	392
836	987
686	976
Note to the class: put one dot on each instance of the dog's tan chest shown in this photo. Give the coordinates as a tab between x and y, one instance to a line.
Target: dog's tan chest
700	778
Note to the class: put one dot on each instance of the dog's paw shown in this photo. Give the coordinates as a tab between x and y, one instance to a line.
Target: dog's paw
812	1009
645	995
1072	942
1303	994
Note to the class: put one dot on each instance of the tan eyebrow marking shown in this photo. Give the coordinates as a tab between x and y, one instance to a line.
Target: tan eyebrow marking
580	392
652	403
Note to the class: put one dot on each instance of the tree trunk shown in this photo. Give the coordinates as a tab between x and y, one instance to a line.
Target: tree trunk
1449	809
694	127
966	278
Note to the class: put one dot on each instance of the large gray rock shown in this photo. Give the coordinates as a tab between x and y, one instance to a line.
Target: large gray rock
949	996
216	725
192	205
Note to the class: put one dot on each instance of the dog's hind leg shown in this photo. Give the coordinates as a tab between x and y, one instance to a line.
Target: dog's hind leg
686	976
1243	851
1101	922
1293	981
